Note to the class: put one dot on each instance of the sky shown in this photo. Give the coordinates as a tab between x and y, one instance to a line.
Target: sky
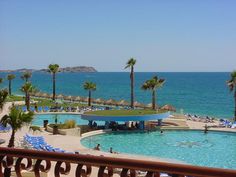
162	35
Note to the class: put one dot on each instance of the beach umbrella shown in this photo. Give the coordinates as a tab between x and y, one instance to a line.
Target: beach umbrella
68	98
60	96
78	98
73	98
98	100
83	99
110	102
123	103
45	95
137	104
168	107
37	94
149	105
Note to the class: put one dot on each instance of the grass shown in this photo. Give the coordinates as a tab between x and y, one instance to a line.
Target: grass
44	101
135	112
14	98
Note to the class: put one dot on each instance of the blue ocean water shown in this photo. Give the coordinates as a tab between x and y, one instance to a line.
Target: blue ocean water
201	93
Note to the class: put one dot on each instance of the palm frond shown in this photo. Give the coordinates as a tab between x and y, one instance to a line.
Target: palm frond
90	86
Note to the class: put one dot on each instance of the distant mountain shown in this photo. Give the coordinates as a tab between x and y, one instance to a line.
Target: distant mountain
75	69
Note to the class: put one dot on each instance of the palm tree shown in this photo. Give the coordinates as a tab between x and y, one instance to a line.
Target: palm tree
153	84
90	86
1	80
27	88
232	86
16	119
26	76
3	97
130	64
53	68
10	77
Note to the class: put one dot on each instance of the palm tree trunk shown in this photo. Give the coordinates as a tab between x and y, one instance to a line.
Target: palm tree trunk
235	104
26	99
7	171
27	102
9	87
89	101
12	139
132	87
153	99
54	85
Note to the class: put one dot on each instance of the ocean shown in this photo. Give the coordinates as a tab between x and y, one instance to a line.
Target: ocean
202	93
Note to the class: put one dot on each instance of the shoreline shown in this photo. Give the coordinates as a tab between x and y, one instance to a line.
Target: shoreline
95	104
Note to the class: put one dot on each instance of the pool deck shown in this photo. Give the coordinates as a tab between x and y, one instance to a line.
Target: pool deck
72	143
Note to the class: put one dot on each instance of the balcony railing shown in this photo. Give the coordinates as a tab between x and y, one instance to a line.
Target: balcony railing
19	160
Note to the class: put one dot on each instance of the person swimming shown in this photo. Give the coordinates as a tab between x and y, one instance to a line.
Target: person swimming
97	147
111	151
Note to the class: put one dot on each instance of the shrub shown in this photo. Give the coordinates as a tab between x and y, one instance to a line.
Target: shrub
35	128
69	124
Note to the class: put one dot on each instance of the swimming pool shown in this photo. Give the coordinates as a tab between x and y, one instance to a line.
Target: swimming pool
214	149
38	119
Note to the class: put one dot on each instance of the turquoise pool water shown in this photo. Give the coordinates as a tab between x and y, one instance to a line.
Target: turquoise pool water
38	119
214	149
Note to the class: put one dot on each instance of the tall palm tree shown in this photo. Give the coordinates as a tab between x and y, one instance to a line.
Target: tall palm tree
53	68
3	97
90	86
153	84
26	76
10	77
1	80
16	119
130	64
27	88
232	86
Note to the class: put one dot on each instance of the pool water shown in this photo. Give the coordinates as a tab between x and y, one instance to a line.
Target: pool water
214	149
38	119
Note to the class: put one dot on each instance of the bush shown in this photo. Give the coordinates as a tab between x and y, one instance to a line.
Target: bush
69	124
35	128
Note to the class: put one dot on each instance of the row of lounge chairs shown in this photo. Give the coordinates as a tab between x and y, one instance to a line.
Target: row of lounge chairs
227	124
197	118
61	109
5	129
38	143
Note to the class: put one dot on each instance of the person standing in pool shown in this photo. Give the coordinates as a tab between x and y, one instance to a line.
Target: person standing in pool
111	151
206	128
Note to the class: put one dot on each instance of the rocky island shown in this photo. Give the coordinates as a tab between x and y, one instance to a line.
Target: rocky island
74	69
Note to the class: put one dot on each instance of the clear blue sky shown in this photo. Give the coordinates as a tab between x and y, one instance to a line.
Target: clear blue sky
163	35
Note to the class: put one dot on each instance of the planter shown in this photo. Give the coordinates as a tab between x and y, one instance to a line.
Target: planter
70	132
55	130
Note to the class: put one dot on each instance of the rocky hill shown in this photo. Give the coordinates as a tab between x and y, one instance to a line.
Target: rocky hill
75	69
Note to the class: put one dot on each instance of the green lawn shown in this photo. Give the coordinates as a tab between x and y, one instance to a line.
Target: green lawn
15	98
125	112
44	102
